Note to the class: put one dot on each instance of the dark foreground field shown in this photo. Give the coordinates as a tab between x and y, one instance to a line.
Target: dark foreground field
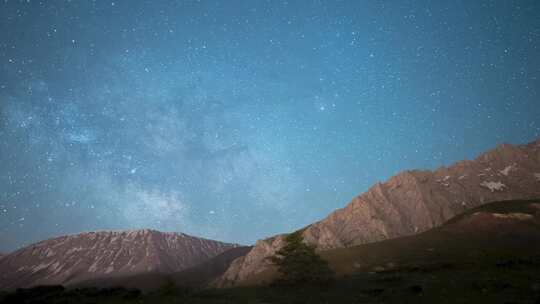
494	281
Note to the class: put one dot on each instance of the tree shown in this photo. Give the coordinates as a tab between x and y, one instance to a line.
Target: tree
298	262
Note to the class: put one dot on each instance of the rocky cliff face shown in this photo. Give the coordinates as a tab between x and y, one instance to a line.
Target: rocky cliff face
411	202
74	258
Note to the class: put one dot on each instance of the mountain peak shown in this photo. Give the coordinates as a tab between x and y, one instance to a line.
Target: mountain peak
100	254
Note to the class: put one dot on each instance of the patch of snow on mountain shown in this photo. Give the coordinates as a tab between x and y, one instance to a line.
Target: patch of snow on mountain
55	265
444	181
506	170
515	216
493	186
109	269
40	267
49	252
94	266
74	249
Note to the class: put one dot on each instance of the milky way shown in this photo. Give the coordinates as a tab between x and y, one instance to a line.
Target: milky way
238	120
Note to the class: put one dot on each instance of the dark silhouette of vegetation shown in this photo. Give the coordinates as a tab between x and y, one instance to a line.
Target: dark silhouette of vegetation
298	262
56	294
171	290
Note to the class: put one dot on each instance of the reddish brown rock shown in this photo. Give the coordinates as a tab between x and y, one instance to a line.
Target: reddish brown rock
95	255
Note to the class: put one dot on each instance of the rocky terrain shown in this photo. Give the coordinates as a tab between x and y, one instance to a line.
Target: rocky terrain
98	255
194	277
409	203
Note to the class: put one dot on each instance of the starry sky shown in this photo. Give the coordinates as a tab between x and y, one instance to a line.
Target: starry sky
236	120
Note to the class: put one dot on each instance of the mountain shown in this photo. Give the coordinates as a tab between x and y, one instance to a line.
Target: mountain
196	276
98	255
499	232
409	203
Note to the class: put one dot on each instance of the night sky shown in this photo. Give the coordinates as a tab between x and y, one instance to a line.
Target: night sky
236	120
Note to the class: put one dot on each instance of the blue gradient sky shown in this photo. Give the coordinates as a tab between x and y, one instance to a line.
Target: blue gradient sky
236	120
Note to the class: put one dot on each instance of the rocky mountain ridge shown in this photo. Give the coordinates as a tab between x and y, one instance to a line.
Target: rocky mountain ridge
410	202
93	255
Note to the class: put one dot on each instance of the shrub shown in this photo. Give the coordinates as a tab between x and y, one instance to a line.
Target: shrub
299	263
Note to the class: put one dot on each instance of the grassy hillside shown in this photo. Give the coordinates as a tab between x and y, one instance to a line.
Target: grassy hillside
483	234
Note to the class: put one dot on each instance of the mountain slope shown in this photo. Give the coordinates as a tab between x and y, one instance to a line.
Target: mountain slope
411	202
74	258
492	232
196	276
